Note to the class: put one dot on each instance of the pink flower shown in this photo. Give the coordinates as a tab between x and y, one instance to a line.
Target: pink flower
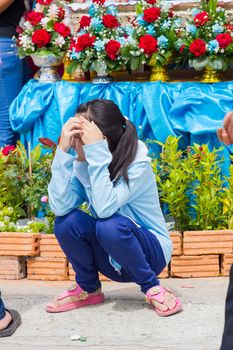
44	199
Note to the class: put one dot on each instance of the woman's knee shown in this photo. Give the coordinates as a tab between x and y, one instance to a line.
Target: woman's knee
75	223
111	229
63	224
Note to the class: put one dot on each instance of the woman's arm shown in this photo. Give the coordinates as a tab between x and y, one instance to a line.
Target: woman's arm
4	4
65	190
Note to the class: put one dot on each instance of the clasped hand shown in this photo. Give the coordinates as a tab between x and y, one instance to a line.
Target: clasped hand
78	131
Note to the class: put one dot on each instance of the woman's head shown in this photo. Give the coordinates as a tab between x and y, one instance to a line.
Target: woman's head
121	134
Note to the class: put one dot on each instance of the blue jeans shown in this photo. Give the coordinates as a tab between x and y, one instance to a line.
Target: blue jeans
88	243
11	82
2	309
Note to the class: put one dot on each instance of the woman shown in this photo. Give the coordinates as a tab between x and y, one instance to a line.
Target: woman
11	69
125	238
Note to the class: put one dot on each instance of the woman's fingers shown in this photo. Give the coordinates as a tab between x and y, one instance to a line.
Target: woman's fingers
219	133
225	137
228	120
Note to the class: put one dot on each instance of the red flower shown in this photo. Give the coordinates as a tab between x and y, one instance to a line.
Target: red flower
7	149
149	44
84	41
171	13
151	14
44	2
198	47
201	18
85	21
34	17
182	49
100	2
41	37
112	48
62	29
61	13
229	27
19	30
151	2
110	21
224	40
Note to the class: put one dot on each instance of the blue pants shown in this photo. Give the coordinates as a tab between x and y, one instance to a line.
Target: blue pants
11	79
88	243
2	309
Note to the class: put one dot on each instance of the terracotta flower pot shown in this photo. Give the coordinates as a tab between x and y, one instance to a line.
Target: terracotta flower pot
47	269
195	266
19	244
49	247
12	267
208	242
176	238
227	261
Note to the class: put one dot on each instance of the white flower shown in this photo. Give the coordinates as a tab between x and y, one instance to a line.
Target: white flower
25	41
28	26
7	218
38	8
59	41
2	224
44	21
53	11
67	22
10	209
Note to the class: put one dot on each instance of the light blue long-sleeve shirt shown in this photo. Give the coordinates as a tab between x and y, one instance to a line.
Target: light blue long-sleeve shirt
74	183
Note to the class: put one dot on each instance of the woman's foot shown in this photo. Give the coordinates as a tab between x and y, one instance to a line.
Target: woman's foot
4	323
72	298
75	298
163	300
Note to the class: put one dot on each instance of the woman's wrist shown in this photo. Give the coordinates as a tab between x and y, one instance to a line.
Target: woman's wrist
64	148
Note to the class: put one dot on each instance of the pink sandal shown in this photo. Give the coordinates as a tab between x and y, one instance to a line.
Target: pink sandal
157	294
84	300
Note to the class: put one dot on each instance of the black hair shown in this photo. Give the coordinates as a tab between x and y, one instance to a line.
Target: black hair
121	134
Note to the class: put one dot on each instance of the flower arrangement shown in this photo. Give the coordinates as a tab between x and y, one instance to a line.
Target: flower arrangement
99	41
45	30
152	39
207	39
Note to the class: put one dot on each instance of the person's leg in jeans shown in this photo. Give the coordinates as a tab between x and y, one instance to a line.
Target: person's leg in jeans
2	309
11	79
227	339
88	243
10	320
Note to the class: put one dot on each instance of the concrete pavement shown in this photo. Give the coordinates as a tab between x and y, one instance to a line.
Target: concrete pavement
123	322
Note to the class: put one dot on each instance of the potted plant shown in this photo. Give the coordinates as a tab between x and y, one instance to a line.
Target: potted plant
200	199
98	44
152	40
45	36
207	41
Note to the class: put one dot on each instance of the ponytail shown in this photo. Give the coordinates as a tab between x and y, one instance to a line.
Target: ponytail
124	153
121	134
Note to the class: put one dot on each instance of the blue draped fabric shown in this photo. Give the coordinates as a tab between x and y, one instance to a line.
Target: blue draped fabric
188	109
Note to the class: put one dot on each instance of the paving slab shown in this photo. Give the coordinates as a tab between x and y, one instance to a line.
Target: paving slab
123	322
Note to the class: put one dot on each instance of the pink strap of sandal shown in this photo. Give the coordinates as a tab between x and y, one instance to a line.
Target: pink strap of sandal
157	294
84	299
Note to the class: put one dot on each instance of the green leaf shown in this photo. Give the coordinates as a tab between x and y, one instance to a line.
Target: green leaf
134	62
36	153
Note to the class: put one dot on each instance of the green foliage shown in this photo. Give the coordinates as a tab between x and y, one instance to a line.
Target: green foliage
191	184
23	180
